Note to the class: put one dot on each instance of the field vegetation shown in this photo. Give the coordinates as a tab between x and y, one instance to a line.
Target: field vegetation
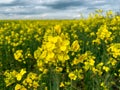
79	54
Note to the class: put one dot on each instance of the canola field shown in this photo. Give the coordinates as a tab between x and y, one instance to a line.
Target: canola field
79	54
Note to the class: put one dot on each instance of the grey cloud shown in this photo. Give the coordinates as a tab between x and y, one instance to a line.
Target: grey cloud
54	8
6	1
25	11
60	5
16	3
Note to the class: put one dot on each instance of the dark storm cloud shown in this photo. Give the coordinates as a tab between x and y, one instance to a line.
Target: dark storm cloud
65	4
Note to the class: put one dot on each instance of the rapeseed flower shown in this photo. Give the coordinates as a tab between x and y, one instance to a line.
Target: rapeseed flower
106	68
19	75
20	87
75	46
72	76
18	55
62	84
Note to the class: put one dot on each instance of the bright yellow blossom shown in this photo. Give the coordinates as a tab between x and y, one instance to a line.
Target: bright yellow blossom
106	68
18	87
62	84
72	76
75	46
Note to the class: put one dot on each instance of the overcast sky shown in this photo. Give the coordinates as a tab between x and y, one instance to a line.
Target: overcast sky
53	9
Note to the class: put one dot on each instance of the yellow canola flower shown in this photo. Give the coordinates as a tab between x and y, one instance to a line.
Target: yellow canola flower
14	73
63	48
104	34
49	46
72	76
20	87
53	39
63	57
75	46
75	61
35	84
23	71
94	70
50	55
99	65
92	34
100	72
31	81
62	84
45	71
114	49
19	75
18	55
9	77
37	53
87	66
106	68
112	61
33	76
43	54
28	80
91	62
96	41
58	69
57	29
64	45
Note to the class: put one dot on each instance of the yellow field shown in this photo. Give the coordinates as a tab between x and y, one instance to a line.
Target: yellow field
60	54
